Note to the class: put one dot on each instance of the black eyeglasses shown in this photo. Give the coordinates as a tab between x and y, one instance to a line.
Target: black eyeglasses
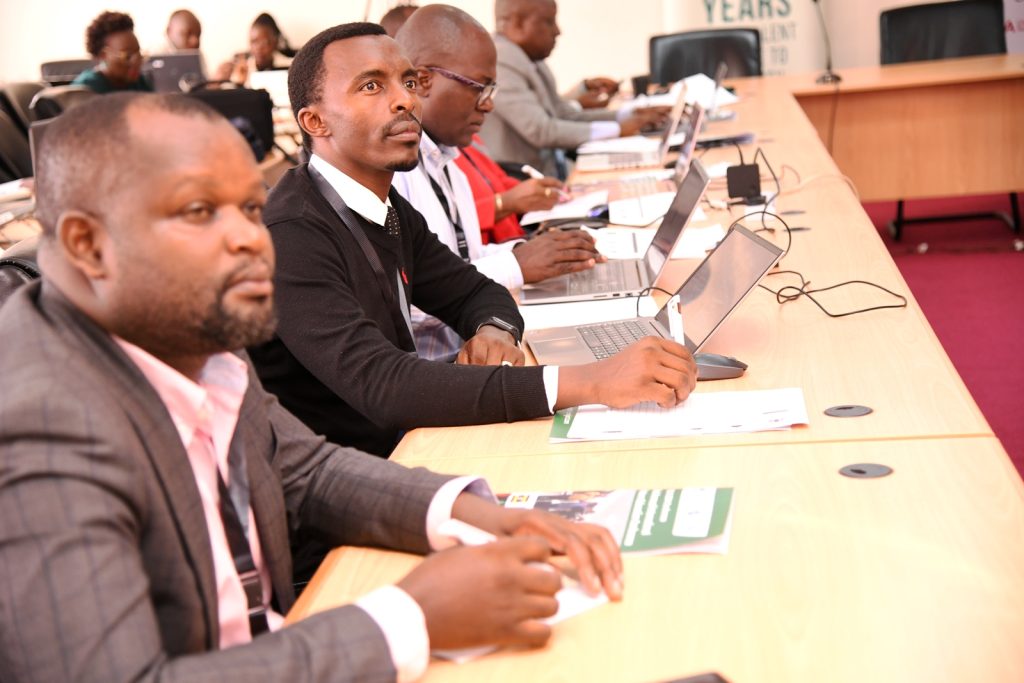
488	91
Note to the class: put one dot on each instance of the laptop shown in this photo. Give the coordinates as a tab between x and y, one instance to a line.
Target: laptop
617	160
704	301
178	72
626	277
644	198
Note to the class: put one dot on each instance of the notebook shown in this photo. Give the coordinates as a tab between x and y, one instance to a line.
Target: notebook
704	302
626	277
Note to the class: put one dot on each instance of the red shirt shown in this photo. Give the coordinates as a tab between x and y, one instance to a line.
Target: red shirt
485	180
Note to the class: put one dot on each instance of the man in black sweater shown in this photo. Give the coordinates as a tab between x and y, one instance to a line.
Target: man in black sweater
353	255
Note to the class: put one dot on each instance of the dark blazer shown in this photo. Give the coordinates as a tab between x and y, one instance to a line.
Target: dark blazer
341	362
105	565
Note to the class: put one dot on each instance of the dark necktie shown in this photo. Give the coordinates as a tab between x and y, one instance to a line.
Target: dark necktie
392	228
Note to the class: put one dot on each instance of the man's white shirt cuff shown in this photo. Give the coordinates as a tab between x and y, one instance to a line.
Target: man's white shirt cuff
404	627
602	130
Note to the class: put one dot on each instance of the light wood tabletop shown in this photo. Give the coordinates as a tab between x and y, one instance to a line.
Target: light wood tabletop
923	129
888	360
917	576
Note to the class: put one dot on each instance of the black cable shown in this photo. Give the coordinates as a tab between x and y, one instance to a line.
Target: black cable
784	295
647	290
762	213
740	150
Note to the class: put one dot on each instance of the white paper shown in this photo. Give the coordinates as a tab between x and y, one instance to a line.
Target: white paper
620	243
702	413
718	170
640	211
630	143
701	89
574	208
697	242
544	316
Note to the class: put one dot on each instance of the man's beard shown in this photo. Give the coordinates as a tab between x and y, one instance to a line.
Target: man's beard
403	166
221	330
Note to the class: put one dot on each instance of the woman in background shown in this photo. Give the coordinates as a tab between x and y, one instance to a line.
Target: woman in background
268	51
111	39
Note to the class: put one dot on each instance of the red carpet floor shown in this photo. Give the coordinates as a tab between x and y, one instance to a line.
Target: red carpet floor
969	279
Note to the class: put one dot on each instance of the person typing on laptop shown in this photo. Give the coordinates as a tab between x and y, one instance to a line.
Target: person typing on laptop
455	64
353	256
532	122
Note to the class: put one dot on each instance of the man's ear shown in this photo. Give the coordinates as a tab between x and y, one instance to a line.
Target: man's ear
426	79
310	120
85	243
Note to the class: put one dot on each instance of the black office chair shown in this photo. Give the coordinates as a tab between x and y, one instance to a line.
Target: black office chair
15	155
53	101
15	99
679	55
251	111
944	30
18	266
64	71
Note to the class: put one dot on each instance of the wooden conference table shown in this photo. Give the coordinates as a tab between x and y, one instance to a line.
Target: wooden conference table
918	576
922	129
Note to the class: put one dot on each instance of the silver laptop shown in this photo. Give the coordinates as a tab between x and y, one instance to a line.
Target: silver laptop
699	307
275	82
626	277
178	72
614	161
643	199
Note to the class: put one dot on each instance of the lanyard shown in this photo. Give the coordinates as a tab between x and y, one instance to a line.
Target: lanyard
453	219
349	220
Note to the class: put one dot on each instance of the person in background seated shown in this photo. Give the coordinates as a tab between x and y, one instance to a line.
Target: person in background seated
111	39
395	17
499	197
352	255
532	123
268	51
149	486
455	62
183	32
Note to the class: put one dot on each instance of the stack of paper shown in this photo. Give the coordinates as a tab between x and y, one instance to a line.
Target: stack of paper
702	413
574	208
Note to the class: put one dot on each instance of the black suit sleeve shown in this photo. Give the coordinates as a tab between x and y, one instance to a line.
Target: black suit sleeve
327	321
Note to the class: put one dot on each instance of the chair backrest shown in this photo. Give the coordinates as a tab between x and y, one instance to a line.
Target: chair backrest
252	106
64	71
18	266
15	156
679	55
15	99
53	101
942	30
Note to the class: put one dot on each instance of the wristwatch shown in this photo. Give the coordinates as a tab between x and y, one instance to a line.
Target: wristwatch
502	325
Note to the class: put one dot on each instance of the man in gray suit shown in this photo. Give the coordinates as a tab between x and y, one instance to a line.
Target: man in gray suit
149	486
532	123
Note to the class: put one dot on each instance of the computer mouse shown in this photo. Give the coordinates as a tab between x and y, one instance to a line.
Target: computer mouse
713	366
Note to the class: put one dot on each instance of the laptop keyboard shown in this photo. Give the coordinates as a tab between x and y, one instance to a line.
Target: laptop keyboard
607	339
604	277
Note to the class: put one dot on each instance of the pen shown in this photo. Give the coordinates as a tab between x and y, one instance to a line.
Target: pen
537	175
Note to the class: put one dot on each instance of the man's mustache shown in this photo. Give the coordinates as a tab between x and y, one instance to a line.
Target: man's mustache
402	120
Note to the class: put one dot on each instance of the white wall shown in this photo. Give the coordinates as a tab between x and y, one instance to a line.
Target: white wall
607	37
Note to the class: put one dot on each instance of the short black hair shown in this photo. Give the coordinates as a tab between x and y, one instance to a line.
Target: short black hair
84	154
105	25
306	74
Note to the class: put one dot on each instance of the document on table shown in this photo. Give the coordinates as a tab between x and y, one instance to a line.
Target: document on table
701	89
697	242
574	208
630	143
702	413
619	243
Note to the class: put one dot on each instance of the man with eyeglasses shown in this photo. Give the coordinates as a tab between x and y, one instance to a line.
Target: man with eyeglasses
111	39
455	62
353	255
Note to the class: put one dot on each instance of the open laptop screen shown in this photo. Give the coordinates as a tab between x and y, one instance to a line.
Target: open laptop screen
686	199
720	283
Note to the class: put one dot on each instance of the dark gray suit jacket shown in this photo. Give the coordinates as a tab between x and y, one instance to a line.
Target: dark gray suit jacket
530	118
105	565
